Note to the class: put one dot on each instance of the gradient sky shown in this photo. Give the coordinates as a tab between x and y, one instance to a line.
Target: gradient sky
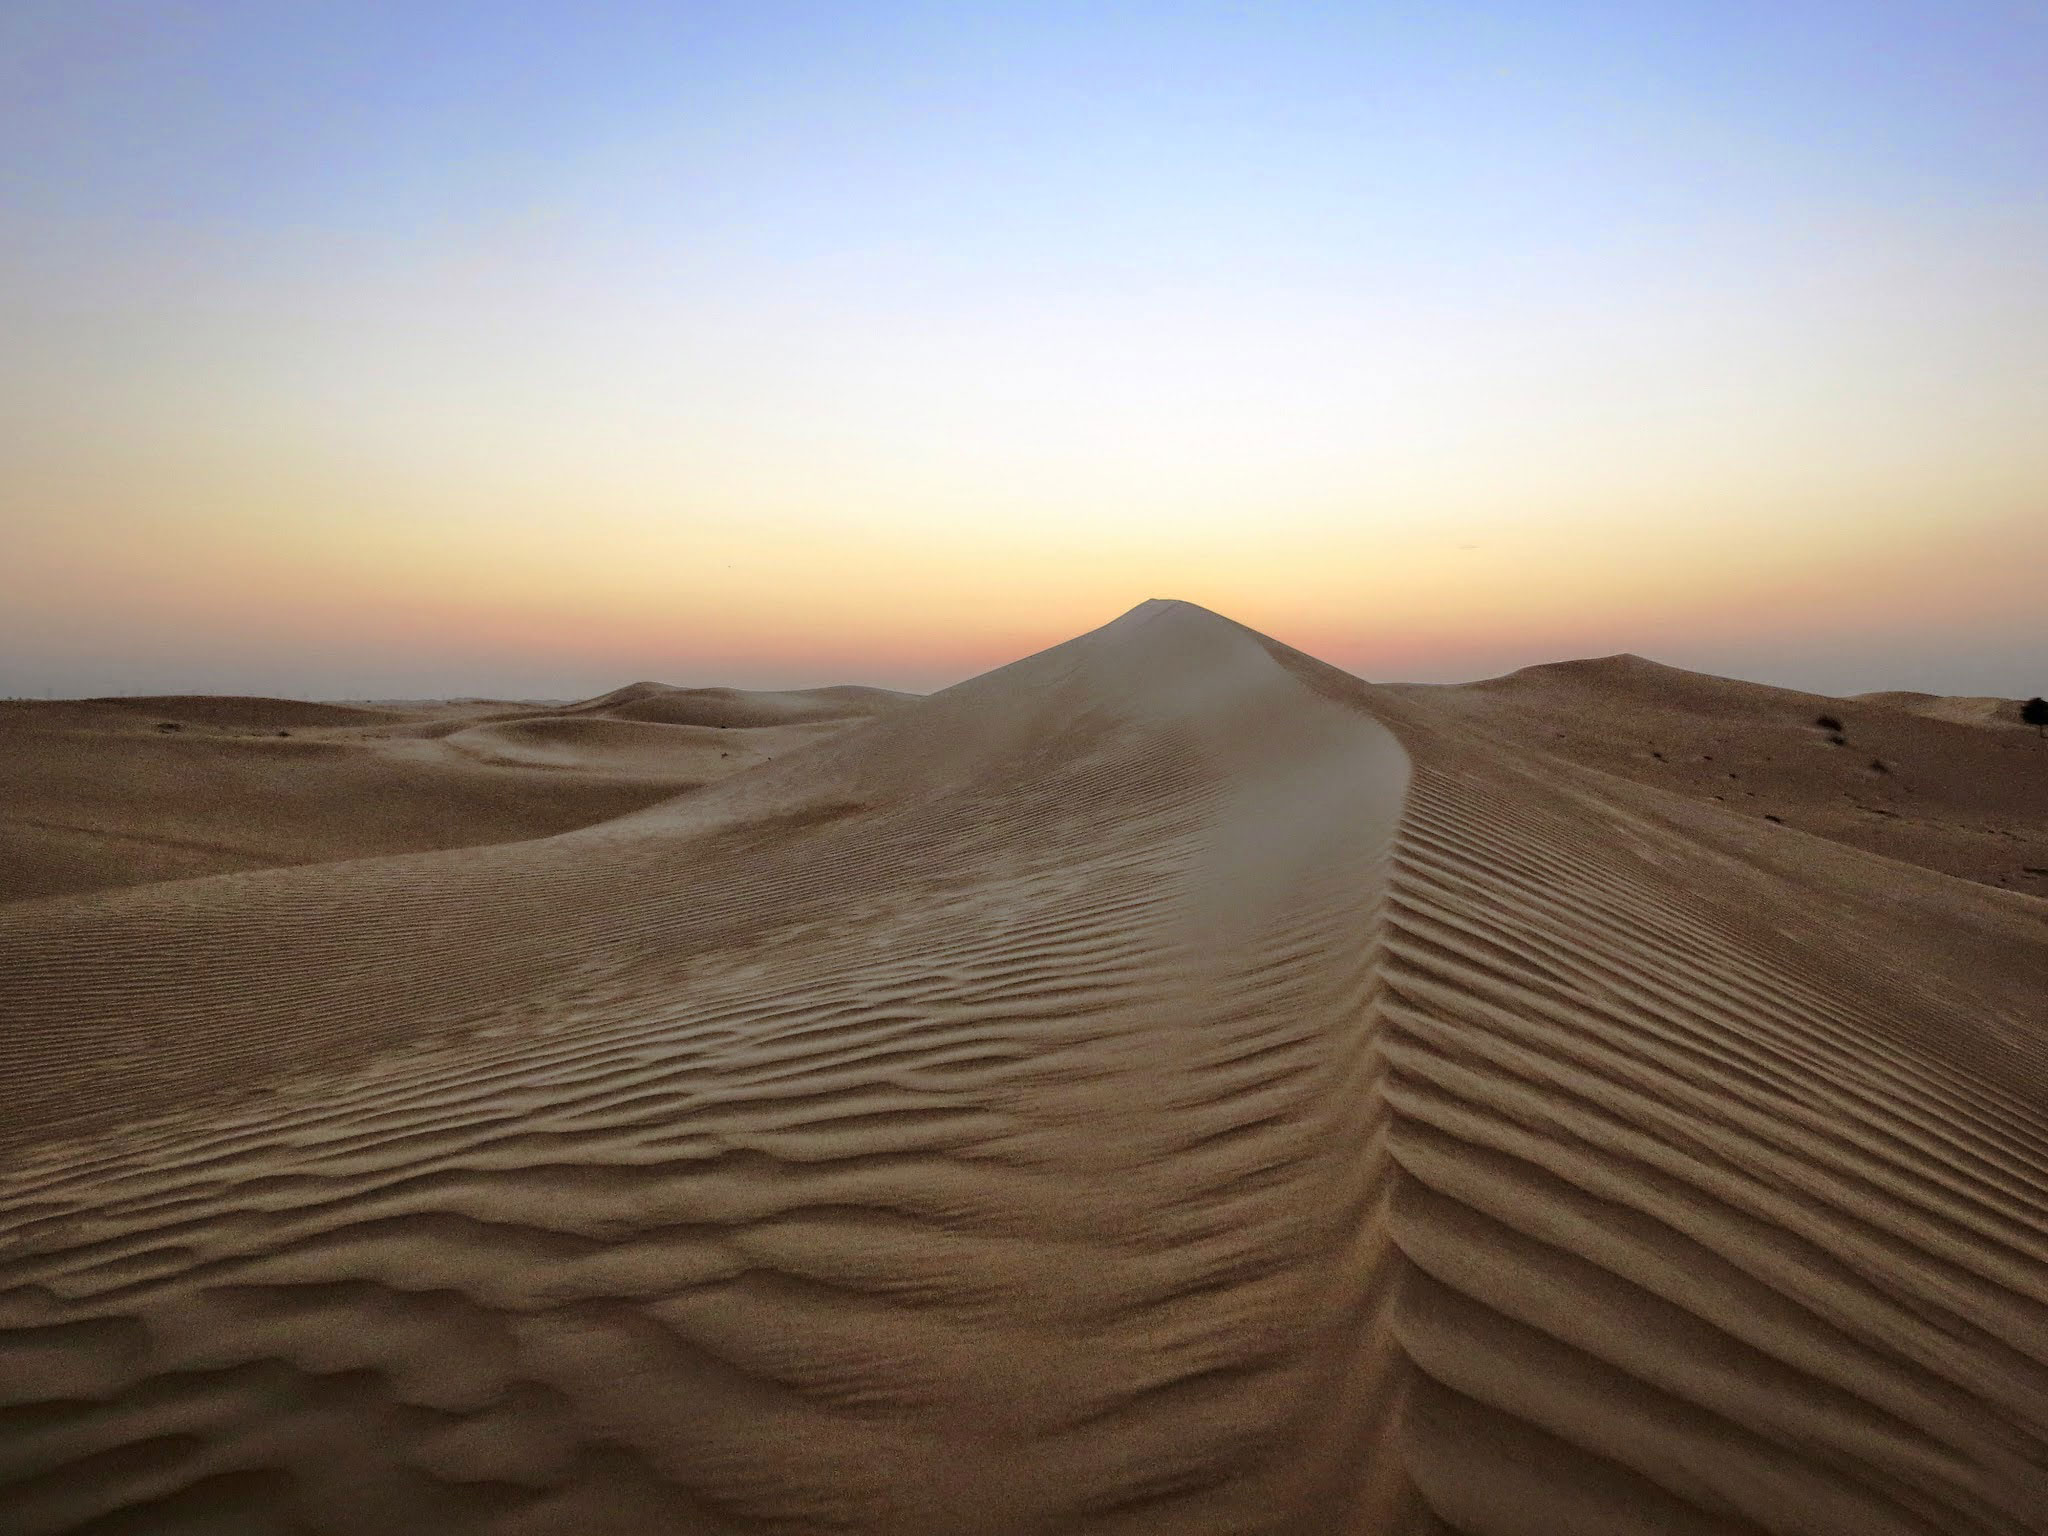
413	348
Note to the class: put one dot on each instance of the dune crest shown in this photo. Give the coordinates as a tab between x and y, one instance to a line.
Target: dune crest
1164	1084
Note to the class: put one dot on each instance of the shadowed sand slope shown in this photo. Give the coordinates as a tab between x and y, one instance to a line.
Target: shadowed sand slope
1163	1085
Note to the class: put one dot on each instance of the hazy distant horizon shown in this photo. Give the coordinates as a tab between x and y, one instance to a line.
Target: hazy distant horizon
530	349
1843	675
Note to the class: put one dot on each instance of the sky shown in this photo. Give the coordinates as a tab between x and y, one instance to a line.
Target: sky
414	349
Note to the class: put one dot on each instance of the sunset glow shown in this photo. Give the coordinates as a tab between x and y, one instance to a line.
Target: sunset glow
525	349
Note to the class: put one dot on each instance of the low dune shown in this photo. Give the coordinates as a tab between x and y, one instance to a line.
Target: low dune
1961	709
230	712
1163	1085
98	793
735	708
629	748
1957	785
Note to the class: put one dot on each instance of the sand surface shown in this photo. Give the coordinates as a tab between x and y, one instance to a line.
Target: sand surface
1954	784
1163	1085
96	793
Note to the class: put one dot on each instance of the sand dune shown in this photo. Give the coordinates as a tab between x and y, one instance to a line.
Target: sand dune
98	793
735	708
225	711
1957	785
1162	1085
629	748
1962	709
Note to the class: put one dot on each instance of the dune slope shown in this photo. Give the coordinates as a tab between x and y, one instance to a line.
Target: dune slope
1162	1085
1956	785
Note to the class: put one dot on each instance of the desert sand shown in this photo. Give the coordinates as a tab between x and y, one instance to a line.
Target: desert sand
104	792
1165	1085
1954	784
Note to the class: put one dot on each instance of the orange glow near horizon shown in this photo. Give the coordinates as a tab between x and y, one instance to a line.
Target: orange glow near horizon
554	604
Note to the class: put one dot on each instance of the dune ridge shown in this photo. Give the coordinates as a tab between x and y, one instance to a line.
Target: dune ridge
1162	1085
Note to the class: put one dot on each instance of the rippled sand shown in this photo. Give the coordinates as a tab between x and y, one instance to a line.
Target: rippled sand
1163	1085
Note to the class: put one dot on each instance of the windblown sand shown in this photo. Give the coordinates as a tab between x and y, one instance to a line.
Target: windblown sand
1164	1085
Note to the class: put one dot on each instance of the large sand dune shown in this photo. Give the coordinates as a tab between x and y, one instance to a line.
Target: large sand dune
1163	1085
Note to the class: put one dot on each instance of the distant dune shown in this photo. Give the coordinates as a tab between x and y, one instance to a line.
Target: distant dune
734	708
96	793
1962	710
223	711
1163	1085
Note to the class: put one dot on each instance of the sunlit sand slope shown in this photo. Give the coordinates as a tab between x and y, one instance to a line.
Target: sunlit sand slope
1164	1085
